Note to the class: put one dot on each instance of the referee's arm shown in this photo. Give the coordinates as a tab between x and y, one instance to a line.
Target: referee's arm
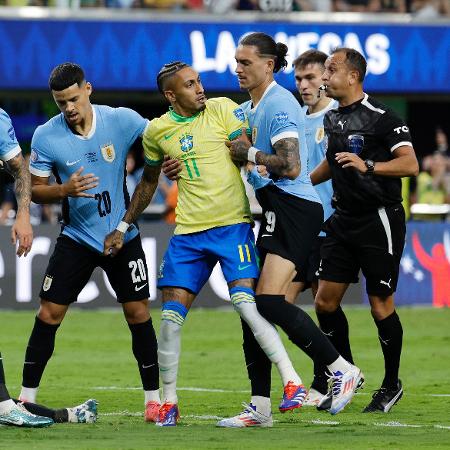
321	173
404	164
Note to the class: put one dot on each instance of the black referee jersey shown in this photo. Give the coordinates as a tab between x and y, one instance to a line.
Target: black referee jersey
380	131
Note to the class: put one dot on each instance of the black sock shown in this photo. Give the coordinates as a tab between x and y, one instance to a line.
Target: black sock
390	334
40	348
335	326
145	350
4	394
259	367
299	327
58	415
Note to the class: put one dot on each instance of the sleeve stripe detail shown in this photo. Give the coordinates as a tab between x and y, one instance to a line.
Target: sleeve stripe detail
146	128
401	144
366	103
284	135
12	153
151	162
237	133
40	173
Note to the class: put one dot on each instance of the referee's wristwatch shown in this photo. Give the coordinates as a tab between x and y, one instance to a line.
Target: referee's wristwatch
370	165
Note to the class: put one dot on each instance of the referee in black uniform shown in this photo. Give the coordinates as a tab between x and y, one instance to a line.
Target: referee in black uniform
369	150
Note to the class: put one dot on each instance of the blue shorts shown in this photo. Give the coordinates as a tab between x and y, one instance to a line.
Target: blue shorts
190	258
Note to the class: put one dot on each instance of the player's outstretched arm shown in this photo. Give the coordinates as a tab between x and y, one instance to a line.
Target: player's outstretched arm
76	186
142	196
21	230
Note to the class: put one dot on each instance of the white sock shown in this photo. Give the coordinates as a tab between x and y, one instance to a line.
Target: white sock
340	364
151	396
71	417
6	406
28	394
262	404
169	344
266	335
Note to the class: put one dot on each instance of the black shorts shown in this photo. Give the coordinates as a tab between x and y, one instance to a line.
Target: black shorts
309	273
372	242
289	225
71	265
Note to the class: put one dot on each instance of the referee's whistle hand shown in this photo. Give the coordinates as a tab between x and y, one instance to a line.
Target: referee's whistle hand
346	159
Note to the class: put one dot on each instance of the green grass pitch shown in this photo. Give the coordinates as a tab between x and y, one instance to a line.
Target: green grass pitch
93	359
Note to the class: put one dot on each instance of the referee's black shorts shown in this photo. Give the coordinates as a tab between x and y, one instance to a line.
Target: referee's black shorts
289	225
372	242
71	265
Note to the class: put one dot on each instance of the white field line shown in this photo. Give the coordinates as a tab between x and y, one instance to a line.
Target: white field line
391	424
191	389
231	391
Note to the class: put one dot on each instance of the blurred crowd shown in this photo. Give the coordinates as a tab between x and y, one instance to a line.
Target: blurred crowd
431	187
427	9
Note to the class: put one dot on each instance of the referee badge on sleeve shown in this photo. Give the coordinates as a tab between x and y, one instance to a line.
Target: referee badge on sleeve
108	152
47	283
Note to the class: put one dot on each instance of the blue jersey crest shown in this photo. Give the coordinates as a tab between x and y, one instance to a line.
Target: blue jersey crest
187	142
281	117
239	114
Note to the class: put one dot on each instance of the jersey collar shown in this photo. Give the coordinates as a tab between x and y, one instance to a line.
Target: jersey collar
268	88
349	108
181	119
93	127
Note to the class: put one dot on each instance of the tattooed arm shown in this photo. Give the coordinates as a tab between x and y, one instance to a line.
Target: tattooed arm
21	230
284	163
142	196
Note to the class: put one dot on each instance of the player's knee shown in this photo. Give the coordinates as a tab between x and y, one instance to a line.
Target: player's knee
51	313
136	312
324	304
173	313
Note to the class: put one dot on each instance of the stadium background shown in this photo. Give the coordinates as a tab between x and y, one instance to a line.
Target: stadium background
121	52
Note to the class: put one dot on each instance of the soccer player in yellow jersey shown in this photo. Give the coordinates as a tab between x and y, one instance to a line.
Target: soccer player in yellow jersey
213	225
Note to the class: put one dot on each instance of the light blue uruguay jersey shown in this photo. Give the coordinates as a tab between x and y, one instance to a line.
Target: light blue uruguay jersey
316	140
56	149
9	147
278	116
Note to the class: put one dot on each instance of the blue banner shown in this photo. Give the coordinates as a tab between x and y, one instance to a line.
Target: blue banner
425	265
124	55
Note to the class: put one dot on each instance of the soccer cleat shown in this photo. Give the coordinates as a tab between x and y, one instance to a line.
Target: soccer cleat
151	412
250	417
20	417
293	397
168	415
84	413
325	403
384	399
313	398
343	386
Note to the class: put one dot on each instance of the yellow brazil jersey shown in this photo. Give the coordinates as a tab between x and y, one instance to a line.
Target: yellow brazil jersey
210	188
